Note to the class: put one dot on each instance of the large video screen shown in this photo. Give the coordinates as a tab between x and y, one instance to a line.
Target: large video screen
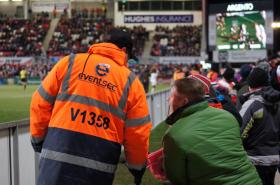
241	30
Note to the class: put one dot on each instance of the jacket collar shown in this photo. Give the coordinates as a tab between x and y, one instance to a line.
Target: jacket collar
109	50
265	93
186	110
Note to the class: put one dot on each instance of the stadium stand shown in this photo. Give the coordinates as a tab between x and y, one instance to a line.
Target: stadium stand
23	37
139	36
36	70
69	37
179	41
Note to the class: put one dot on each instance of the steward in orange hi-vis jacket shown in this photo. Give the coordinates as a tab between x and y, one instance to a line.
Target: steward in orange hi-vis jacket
85	109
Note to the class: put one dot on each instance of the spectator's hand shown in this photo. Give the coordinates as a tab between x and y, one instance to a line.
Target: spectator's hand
138	174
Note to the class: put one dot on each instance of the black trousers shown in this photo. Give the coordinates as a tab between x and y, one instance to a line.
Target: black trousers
267	174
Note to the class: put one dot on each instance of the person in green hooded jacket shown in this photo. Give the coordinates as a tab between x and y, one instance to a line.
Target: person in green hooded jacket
203	145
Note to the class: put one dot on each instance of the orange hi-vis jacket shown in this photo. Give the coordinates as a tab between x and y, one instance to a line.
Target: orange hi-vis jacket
85	109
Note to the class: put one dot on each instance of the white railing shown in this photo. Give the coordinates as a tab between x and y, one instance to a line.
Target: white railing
18	161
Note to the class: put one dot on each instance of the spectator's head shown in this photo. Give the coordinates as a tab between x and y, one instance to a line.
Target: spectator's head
258	78
184	91
196	67
204	81
153	70
122	39
245	71
215	67
264	65
228	74
178	69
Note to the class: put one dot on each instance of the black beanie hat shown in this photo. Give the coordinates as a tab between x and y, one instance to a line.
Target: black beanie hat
120	38
245	70
258	78
229	74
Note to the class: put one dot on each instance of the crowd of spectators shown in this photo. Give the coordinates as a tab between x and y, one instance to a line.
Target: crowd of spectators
69	37
166	71
39	69
23	37
76	34
35	70
139	36
179	41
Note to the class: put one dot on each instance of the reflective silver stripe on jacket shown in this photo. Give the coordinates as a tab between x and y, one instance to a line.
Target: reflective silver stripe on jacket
79	161
137	122
269	160
65	83
92	102
44	94
124	96
117	111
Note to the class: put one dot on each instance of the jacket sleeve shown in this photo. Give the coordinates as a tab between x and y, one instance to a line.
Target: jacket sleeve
43	100
175	163
137	127
229	106
250	111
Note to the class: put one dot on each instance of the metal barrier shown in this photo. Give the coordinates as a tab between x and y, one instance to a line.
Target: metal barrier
19	163
17	158
158	106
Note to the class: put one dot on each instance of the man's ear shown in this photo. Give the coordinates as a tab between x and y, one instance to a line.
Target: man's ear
186	101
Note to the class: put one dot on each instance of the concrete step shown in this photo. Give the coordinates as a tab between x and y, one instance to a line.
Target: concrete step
49	35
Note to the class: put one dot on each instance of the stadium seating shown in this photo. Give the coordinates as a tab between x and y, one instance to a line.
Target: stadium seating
179	41
139	36
76	34
23	37
69	37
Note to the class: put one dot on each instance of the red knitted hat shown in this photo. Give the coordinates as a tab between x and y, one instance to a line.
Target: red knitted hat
204	80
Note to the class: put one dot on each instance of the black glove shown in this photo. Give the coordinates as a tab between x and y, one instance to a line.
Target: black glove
138	174
37	146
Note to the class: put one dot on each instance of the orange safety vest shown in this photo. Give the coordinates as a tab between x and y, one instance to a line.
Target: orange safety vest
85	109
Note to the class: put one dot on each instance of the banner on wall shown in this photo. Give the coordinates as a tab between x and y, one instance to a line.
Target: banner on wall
158	18
39	6
16	60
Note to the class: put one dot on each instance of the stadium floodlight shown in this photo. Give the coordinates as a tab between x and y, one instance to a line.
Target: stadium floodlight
275	25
